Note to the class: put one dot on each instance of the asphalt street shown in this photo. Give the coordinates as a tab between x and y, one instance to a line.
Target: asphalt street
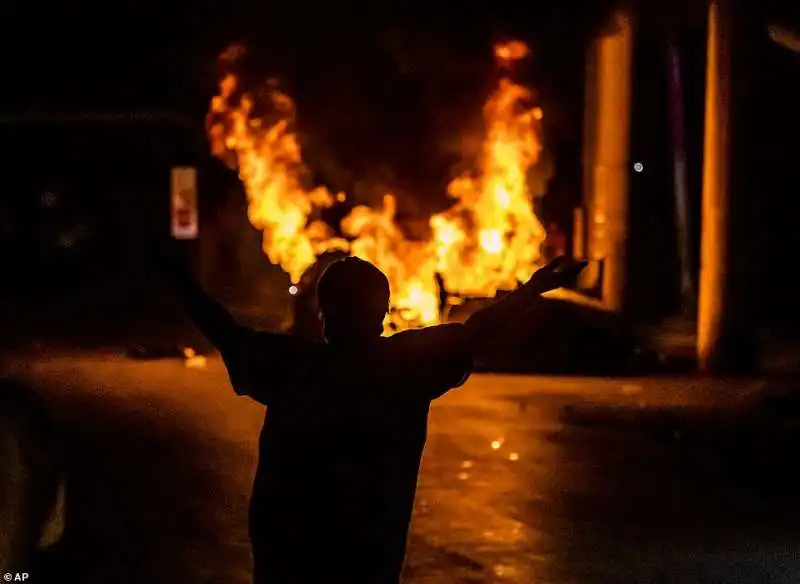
525	479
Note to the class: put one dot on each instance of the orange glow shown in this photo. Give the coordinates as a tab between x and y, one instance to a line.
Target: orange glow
507	53
192	360
488	240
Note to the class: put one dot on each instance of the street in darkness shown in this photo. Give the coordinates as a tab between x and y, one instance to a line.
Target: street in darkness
524	479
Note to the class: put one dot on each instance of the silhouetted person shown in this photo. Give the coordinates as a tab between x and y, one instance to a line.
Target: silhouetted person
346	420
31	499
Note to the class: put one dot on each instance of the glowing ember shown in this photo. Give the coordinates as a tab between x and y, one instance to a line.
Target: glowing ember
489	240
192	360
507	53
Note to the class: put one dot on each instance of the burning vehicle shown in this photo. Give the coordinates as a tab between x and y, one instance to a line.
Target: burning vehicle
485	243
488	239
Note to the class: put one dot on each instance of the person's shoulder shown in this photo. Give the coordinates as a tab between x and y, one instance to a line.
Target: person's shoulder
426	335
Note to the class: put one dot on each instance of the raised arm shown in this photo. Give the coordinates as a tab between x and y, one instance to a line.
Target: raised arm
208	315
442	356
482	326
259	363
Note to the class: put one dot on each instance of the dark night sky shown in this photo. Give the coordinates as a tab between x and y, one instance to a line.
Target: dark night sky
334	58
359	112
377	84
149	53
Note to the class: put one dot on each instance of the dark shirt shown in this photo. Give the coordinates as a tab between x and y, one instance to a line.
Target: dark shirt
341	446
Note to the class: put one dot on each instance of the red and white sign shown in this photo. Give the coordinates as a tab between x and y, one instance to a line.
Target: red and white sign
185	223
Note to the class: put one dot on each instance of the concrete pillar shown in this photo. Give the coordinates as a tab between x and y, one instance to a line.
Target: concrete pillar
725	331
607	155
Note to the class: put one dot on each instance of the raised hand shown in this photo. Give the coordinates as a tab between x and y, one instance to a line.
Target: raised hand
560	272
490	320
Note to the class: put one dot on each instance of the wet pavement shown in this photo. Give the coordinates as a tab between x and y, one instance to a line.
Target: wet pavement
525	479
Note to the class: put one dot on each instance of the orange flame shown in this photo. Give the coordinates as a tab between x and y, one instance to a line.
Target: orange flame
489	240
271	169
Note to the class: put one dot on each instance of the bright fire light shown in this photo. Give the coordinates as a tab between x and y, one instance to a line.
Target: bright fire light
488	240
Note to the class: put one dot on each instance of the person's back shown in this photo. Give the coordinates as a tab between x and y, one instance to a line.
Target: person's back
340	455
344	433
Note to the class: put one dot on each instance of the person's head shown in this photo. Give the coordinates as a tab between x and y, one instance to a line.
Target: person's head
353	299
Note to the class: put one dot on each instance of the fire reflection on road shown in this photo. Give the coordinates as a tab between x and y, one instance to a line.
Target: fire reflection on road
160	458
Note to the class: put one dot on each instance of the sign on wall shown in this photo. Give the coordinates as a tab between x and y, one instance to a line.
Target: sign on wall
185	224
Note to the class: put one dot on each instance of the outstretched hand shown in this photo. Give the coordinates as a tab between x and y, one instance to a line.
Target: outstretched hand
560	272
482	325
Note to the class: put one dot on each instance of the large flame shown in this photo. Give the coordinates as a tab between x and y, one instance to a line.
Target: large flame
489	240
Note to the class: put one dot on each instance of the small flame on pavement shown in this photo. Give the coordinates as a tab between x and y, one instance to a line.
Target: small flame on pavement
463	476
513	456
192	360
502	571
497	444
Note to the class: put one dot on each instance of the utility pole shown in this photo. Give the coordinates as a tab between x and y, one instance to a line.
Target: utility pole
725	329
607	156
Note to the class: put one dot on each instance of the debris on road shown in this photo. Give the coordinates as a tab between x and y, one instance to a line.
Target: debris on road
192	360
